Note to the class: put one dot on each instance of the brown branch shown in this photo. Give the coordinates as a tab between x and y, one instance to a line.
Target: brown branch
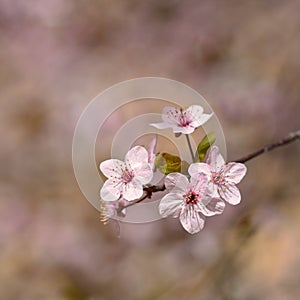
149	190
154	188
289	139
119	210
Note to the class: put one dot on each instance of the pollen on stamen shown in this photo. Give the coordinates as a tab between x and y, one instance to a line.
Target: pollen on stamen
191	198
218	179
127	176
103	213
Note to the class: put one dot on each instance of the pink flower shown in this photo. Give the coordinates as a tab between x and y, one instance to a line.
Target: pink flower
110	210
189	201
182	120
222	177
126	179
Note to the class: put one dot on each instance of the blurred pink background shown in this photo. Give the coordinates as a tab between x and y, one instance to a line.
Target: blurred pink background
55	56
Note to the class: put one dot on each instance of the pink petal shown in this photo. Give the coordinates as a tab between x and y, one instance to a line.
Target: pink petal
132	190
215	159
110	190
136	156
234	172
191	220
185	130
170	205
112	168
212	190
145	174
177	182
230	193
175	127
195	110
171	115
201	120
197	115
137	160
160	125
199	168
199	184
211	206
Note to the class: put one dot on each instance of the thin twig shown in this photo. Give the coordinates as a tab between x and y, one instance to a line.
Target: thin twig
190	146
149	190
153	188
132	203
289	139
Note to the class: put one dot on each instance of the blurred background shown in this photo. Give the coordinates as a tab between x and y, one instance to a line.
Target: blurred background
55	56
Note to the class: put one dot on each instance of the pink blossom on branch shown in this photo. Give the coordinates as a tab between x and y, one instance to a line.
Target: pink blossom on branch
182	120
222	177
110	210
126	179
190	201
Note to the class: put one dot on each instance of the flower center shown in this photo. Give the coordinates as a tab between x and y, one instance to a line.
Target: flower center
218	179
191	198
127	176
184	119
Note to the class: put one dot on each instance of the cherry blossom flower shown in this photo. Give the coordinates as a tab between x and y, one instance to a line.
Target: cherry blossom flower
182	120
190	201
126	179
151	152
110	210
222	177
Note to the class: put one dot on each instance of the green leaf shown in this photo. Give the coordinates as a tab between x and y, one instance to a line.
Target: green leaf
168	163
204	145
184	167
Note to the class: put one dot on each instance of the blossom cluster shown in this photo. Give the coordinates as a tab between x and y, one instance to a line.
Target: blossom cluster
203	194
191	197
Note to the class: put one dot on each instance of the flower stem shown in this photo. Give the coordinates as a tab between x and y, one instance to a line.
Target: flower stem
293	136
190	147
